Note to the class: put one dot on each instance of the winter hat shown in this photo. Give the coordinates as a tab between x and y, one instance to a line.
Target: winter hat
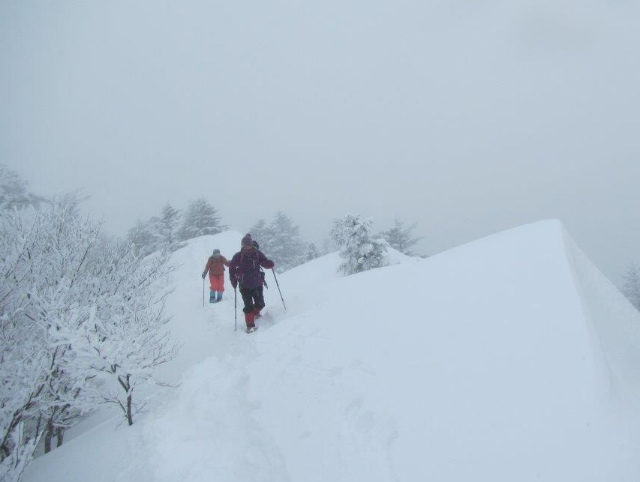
216	252
247	241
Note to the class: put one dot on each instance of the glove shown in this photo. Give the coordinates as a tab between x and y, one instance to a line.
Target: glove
234	284
203	275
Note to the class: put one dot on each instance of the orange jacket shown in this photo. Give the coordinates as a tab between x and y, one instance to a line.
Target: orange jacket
215	266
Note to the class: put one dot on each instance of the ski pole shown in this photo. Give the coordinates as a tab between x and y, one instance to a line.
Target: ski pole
278	285
202	291
235	309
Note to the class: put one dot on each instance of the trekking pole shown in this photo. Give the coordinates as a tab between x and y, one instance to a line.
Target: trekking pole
202	291
278	285
235	309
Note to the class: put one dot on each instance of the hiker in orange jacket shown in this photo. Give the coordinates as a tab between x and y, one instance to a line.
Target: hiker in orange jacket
215	267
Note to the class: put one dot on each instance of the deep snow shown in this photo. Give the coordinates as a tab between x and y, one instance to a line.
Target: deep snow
509	358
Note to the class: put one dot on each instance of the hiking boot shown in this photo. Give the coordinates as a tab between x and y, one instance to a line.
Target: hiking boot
250	319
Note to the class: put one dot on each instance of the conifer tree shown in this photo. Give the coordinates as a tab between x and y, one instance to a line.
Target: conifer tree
280	241
400	238
200	219
166	226
358	250
286	245
262	234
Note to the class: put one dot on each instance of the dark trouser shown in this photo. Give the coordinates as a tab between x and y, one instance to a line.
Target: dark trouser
252	298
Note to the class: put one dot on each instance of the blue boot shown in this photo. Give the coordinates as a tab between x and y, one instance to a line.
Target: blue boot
212	297
219	298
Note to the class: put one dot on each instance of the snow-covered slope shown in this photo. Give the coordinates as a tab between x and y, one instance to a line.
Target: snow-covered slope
510	358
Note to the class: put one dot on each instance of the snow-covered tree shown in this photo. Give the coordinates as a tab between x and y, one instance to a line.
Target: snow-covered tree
42	265
287	248
631	287
79	315
158	233
400	238
280	241
358	250
14	191
166	227
200	218
13	464
123	339
262	234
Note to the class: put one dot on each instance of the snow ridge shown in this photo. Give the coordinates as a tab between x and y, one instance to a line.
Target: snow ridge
509	358
615	321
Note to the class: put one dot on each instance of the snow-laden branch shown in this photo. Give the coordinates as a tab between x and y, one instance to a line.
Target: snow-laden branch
81	323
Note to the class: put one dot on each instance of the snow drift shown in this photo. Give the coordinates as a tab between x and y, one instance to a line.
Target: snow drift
509	358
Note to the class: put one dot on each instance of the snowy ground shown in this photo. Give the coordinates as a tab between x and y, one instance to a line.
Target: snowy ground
510	358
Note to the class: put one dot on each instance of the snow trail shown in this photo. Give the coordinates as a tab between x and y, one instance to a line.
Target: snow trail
208	432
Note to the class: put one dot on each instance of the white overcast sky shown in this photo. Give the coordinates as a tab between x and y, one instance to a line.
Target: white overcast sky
466	116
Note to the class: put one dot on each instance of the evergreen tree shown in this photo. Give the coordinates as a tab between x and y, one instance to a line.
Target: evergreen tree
166	228
288	247
200	219
358	250
262	234
400	238
280	241
631	288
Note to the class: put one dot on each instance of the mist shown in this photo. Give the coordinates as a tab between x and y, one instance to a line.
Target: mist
465	117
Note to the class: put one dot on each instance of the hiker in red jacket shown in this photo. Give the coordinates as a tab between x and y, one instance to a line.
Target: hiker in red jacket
215	267
244	269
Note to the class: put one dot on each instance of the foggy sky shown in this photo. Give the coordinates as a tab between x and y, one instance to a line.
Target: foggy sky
468	117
